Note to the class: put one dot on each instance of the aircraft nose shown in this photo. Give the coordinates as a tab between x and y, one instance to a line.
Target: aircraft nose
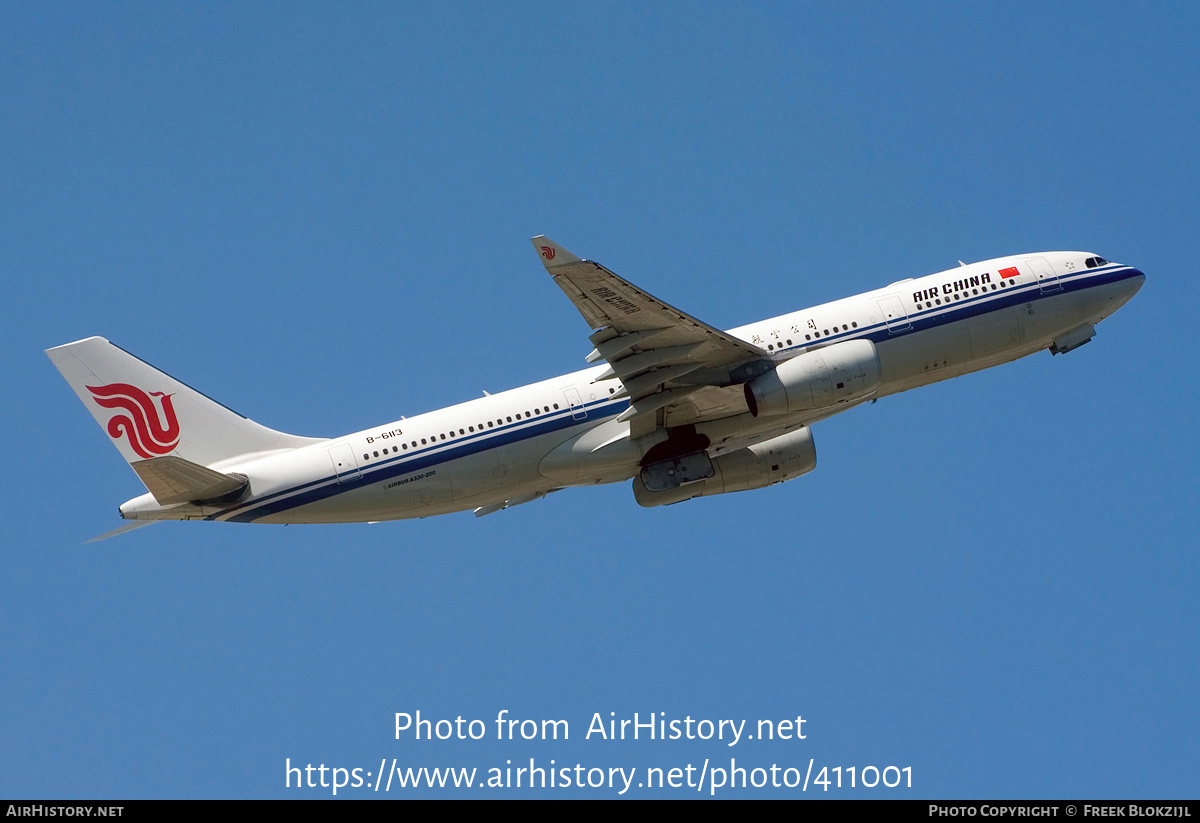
1134	283
1124	289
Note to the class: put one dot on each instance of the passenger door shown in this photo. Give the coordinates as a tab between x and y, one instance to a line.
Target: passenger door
894	314
344	464
1044	272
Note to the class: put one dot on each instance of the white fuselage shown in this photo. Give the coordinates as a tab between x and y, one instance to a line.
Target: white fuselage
518	445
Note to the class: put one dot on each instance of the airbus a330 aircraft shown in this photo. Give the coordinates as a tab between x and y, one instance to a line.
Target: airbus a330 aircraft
679	407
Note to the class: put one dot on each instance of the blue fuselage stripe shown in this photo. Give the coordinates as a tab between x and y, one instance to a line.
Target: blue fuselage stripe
918	321
416	461
1003	298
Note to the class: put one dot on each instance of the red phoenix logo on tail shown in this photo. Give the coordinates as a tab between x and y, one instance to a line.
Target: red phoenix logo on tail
548	252
150	434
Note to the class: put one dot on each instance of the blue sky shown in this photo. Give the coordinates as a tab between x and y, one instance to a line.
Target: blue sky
319	214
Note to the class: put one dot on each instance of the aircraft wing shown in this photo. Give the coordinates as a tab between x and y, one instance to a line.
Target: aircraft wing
667	360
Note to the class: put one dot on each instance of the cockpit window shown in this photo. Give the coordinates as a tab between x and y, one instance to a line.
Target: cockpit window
1093	262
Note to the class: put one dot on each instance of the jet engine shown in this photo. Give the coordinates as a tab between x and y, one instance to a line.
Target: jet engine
841	373
763	464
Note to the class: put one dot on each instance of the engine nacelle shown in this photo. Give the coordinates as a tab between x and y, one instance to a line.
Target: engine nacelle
763	464
842	373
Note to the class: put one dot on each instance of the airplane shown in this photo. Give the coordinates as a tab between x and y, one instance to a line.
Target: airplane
682	409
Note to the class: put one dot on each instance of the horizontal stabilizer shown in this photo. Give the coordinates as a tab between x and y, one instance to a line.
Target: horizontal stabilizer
175	480
128	527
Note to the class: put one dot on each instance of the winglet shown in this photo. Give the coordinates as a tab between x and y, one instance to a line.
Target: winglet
552	254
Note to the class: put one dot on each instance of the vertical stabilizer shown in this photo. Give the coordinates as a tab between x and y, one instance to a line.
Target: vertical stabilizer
148	414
